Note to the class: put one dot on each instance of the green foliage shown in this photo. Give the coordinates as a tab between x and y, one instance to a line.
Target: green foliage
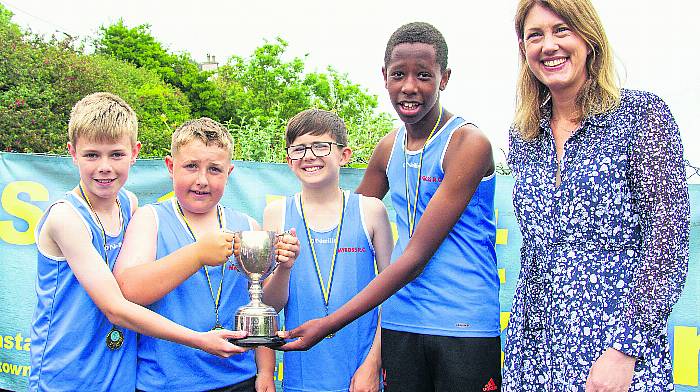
137	46
40	81
262	92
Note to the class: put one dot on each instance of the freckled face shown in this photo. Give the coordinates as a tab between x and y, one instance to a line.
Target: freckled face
555	54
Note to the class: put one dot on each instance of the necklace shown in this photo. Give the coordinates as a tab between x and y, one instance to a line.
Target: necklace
325	291
412	214
115	337
217	324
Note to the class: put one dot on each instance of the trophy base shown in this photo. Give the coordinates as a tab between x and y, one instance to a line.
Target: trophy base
255	341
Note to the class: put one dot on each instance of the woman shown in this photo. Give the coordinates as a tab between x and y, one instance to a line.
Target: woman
602	202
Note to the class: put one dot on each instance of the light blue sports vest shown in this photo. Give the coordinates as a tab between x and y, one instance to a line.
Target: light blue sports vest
68	350
330	365
457	293
164	365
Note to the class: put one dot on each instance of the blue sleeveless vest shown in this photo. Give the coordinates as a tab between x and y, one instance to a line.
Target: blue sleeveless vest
164	365
330	365
68	350
457	293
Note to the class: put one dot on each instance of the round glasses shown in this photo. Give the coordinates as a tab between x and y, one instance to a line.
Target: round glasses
319	149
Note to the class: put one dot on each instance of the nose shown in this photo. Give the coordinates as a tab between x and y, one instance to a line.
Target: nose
202	178
105	166
409	85
550	44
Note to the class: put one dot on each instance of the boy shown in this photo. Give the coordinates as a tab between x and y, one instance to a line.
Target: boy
79	329
341	234
157	268
441	329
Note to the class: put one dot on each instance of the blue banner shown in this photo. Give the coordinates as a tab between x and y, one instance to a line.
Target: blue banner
29	183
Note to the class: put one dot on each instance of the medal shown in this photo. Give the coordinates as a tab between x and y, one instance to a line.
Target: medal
325	291
115	338
216	297
412	216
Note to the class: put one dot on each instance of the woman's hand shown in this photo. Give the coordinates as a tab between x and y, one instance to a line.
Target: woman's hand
611	372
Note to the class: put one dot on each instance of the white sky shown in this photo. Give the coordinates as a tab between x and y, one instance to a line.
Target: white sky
656	43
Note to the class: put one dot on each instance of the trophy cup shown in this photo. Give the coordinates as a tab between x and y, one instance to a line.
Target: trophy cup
256	261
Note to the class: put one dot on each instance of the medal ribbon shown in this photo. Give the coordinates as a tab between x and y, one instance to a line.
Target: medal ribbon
115	337
206	271
326	292
412	216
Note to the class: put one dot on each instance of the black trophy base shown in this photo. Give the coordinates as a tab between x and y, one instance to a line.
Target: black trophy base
255	341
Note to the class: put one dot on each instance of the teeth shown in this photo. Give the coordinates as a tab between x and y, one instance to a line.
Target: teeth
409	105
554	63
104	181
312	168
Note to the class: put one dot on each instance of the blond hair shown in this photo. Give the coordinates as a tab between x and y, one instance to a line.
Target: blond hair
102	117
600	93
204	129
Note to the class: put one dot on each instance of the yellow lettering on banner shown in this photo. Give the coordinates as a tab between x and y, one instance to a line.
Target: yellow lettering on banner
280	371
165	197
686	345
394	231
28	212
501	234
19	343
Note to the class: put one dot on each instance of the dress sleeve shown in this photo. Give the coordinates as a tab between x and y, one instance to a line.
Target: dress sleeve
656	177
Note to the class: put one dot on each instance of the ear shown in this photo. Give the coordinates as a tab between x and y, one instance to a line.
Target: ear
444	78
230	169
169	164
135	152
345	155
289	162
384	76
72	152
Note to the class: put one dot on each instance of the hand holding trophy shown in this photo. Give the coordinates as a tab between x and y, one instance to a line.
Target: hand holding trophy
256	259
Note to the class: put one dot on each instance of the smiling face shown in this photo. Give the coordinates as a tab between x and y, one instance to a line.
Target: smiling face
318	172
555	53
413	80
199	173
103	166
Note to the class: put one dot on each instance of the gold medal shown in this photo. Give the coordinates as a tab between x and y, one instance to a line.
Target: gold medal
115	338
217	326
330	335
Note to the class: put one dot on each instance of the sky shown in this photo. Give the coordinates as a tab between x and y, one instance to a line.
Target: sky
655	44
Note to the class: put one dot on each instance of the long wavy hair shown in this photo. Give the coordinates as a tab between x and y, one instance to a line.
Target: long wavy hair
600	93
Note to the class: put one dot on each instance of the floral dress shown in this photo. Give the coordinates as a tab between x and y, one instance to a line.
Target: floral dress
605	254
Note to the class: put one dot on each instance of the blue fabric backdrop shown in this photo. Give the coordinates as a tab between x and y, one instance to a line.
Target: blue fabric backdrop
29	183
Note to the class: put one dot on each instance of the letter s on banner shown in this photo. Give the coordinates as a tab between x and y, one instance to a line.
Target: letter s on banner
28	212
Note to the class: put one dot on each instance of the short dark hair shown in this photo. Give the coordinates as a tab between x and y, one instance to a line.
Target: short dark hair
316	122
418	32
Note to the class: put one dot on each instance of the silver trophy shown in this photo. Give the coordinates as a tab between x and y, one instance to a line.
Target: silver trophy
256	261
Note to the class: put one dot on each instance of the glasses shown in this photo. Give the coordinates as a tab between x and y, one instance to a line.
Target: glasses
319	149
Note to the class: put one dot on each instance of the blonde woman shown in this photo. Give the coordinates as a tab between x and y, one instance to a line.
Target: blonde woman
602	201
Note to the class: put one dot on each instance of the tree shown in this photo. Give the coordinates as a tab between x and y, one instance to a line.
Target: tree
40	81
137	46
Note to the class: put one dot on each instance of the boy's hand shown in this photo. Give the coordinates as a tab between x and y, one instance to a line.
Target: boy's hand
216	342
215	247
307	334
366	378
287	249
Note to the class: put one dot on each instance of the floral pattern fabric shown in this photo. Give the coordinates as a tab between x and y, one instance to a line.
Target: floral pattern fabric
604	254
